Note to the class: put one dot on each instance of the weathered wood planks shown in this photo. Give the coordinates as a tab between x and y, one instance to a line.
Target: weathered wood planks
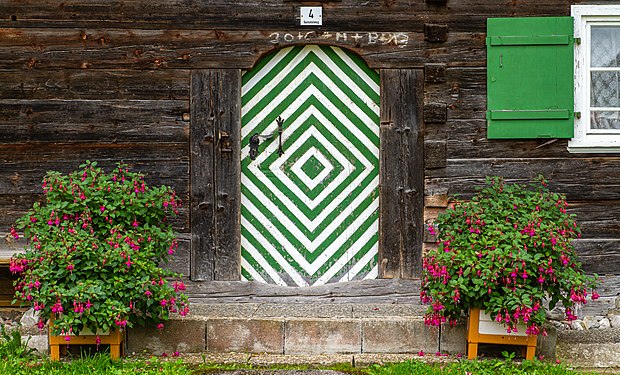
363	291
402	174
111	82
147	49
375	15
215	174
91	84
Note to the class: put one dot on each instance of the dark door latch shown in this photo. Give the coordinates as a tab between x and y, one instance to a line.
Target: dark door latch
255	140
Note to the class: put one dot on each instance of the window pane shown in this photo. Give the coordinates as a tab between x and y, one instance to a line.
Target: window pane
605	46
604	92
605	120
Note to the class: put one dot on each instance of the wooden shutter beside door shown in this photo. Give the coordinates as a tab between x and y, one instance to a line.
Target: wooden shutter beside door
530	77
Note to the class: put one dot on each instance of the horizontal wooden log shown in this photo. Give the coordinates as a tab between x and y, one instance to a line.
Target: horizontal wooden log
39	48
13	206
93	120
170	84
467	139
366	291
252	15
610	286
597	179
464	92
19	178
25	164
597	219
600	256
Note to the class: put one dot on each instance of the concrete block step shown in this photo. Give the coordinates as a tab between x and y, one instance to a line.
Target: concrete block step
292	329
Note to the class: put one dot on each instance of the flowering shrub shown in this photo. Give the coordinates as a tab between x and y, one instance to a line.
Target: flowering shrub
505	251
94	250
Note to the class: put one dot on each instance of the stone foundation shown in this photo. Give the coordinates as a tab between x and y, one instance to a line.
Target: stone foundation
292	329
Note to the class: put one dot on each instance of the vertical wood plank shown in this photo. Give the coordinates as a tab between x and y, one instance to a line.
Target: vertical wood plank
412	162
228	176
390	178
202	141
215	176
402	174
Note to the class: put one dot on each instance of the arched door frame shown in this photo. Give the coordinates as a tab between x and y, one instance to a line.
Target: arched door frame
215	131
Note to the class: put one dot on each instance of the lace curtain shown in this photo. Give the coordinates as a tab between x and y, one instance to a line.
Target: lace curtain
605	85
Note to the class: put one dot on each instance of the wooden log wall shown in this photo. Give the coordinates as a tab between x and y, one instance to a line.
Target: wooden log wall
110	81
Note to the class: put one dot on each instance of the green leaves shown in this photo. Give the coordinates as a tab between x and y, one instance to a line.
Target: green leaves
96	243
509	247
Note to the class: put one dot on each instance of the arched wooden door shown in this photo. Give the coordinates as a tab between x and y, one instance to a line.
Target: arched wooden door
309	188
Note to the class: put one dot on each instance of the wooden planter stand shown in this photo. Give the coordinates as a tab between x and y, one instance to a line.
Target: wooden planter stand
114	339
481	329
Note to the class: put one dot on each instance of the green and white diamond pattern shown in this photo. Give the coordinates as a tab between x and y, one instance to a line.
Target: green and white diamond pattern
310	216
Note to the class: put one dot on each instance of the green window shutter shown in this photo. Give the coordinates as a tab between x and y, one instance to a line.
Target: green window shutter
530	77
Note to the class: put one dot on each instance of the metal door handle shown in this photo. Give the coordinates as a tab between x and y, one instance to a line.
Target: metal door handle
255	140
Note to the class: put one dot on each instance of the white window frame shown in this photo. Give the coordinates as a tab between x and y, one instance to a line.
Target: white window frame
585	141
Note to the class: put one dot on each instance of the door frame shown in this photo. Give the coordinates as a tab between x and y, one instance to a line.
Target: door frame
215	174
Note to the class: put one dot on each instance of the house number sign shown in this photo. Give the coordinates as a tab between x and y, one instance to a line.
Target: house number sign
311	16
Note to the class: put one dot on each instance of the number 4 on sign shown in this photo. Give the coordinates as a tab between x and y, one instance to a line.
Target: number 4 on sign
311	16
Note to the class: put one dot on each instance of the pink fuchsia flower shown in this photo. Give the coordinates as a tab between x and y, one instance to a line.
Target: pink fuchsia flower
421	353
121	322
160	326
17	265
102	208
57	307
178	286
14	233
595	295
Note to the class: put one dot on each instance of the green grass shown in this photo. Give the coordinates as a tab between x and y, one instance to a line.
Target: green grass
474	367
101	364
17	359
95	365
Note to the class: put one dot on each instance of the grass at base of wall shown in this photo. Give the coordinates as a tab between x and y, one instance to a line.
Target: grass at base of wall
101	364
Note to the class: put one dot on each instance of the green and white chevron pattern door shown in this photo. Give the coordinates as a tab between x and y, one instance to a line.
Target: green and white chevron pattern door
310	215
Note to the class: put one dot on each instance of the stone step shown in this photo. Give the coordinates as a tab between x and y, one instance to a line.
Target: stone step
294	329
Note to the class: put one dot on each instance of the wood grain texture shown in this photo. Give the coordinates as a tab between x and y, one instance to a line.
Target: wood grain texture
591	179
599	256
147	49
110	81
24	165
227	117
365	291
215	177
250	15
59	120
402	174
90	84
